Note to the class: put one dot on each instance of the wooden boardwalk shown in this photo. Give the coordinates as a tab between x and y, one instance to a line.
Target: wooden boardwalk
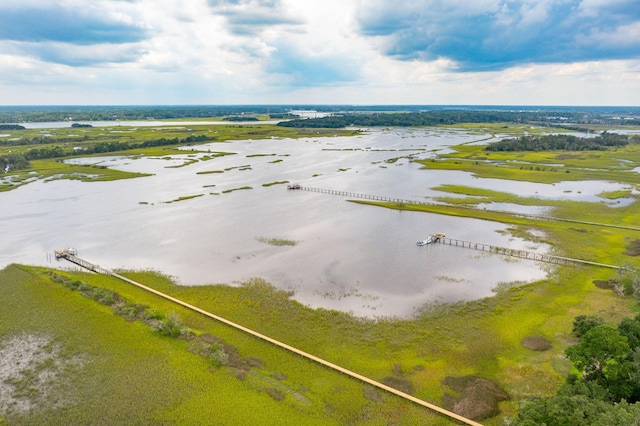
360	196
95	268
354	195
523	254
86	265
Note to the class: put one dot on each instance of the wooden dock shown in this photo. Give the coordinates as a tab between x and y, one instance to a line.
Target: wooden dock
84	264
522	254
67	255
354	195
395	200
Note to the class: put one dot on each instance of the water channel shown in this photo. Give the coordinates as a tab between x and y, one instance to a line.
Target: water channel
347	256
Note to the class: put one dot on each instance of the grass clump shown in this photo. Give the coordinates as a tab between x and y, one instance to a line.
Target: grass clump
227	191
277	241
184	198
282	182
615	195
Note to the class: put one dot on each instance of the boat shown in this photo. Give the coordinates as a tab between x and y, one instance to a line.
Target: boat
431	239
65	252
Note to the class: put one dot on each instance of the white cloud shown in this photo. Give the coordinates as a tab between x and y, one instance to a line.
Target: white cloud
322	51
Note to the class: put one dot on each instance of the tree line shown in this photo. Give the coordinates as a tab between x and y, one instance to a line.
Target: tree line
130	113
559	142
562	115
427	118
451	117
22	161
11	127
607	390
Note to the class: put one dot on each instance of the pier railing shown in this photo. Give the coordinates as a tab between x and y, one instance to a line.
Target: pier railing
63	254
86	265
523	254
396	200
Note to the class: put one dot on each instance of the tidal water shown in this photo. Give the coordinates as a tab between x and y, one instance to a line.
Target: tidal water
349	257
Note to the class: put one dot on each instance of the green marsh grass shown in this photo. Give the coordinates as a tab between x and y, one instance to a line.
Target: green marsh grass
55	170
133	375
282	182
184	198
226	191
614	195
482	337
543	167
277	241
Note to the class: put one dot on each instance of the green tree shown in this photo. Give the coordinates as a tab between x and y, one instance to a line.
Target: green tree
630	328
601	347
584	323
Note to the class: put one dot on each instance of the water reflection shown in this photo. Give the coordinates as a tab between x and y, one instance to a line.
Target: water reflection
348	256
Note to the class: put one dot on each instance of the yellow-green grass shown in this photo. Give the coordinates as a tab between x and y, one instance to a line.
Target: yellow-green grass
515	172
452	210
609	159
135	376
545	167
481	195
480	337
183	198
132	134
599	212
226	191
129	374
281	182
55	170
501	128
615	195
277	241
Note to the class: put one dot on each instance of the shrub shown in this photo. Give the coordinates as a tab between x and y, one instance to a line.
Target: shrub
171	326
583	323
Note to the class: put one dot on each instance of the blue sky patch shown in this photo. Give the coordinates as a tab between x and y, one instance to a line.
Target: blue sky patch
64	25
505	34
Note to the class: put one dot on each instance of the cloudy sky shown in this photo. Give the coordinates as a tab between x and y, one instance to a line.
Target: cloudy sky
522	52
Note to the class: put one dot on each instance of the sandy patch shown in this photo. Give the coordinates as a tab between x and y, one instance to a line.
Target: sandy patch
31	371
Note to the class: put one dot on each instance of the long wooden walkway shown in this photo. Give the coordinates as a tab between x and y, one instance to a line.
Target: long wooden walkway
355	195
360	196
86	265
95	268
523	254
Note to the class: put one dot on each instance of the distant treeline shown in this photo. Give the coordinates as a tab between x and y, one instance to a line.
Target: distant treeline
281	116
429	118
559	143
239	118
556	114
11	127
21	161
451	117
130	113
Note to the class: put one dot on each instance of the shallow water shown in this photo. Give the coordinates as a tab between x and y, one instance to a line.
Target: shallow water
350	257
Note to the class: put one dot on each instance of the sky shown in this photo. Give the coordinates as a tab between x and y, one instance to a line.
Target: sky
363	52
